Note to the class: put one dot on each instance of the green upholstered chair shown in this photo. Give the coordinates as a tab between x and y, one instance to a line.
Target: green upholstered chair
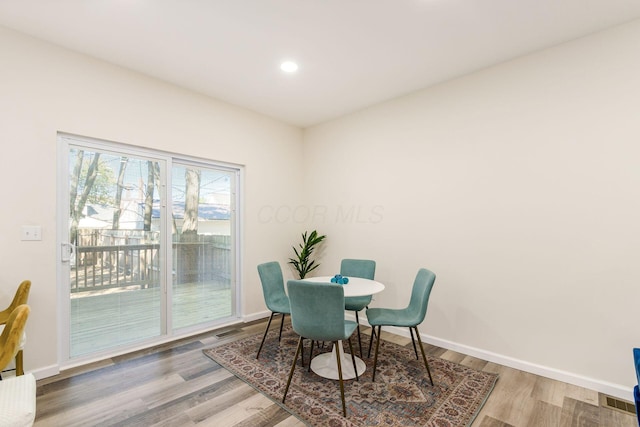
358	268
274	295
317	313
409	317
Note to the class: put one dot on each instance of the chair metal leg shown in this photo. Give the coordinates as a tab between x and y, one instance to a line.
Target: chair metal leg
310	356
353	359
281	325
293	367
359	339
423	356
375	358
344	406
415	350
19	364
265	334
373	334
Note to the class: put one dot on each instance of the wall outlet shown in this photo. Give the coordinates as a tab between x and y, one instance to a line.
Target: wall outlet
31	232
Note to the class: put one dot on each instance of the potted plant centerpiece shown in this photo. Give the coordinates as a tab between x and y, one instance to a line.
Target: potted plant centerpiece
303	263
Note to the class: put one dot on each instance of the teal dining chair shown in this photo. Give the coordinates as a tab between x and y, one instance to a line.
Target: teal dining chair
409	317
317	313
365	269
636	388
274	295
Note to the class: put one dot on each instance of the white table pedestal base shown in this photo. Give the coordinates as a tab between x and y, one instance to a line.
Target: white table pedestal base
326	365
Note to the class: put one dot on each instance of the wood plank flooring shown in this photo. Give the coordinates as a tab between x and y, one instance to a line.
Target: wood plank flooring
176	385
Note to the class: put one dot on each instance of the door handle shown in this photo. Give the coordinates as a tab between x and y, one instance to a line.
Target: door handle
66	250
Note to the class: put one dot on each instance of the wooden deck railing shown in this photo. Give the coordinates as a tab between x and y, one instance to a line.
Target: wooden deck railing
118	266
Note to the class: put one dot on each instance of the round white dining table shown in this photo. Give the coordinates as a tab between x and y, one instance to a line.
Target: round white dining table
326	364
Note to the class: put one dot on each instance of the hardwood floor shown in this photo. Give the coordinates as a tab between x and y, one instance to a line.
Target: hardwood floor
176	385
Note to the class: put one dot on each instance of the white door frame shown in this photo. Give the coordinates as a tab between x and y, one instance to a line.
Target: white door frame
65	141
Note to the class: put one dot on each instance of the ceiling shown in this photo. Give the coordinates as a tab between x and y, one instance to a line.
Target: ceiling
351	53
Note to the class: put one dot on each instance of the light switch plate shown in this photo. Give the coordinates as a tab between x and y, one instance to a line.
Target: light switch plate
31	232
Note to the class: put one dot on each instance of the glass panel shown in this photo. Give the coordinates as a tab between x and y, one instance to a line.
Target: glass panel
202	245
114	273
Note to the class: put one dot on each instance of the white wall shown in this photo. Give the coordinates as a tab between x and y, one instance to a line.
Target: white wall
519	186
45	89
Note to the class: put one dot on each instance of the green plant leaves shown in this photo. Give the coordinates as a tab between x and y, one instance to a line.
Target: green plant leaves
302	261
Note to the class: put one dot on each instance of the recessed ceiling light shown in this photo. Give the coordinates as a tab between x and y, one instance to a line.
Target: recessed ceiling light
289	67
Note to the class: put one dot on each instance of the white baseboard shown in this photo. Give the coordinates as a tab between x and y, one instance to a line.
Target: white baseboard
256	316
615	390
47	371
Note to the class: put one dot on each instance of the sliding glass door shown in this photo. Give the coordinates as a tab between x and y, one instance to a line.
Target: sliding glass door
148	247
202	244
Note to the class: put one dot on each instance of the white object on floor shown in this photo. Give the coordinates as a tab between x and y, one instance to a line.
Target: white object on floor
18	401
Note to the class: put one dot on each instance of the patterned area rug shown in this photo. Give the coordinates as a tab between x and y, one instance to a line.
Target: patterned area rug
400	396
